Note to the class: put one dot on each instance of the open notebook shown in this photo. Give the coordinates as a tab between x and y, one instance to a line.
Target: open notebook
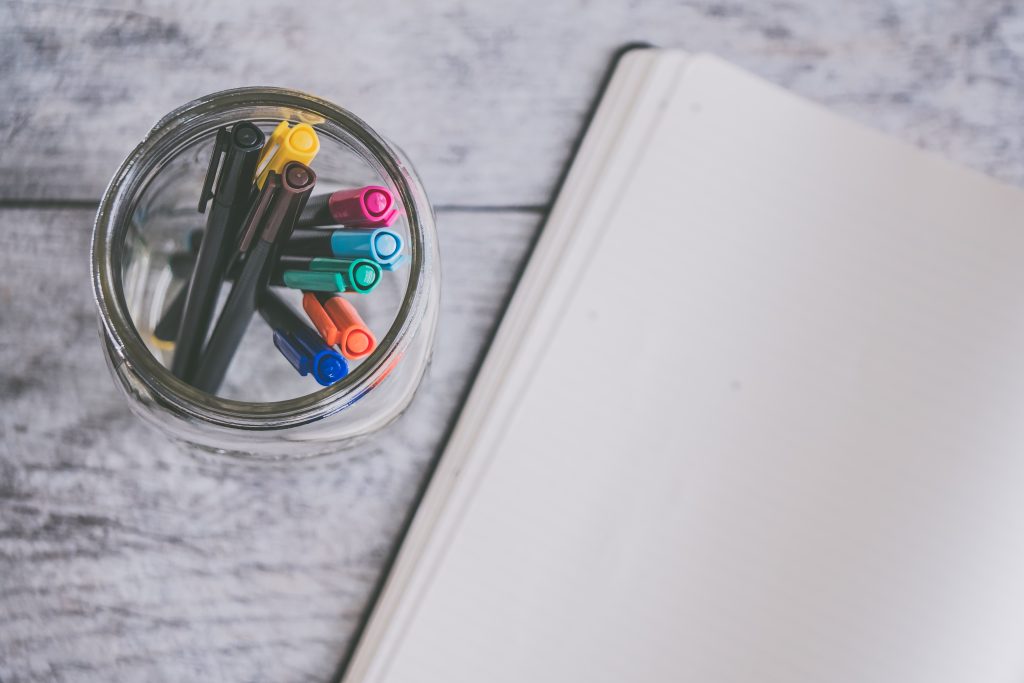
755	413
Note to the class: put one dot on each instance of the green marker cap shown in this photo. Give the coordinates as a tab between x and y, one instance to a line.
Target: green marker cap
313	281
329	265
362	276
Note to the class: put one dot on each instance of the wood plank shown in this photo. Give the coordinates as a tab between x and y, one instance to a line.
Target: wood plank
123	558
486	97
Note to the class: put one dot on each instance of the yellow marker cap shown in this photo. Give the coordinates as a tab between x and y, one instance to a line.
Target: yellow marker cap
287	144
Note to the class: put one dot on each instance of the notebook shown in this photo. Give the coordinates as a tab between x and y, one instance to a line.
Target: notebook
755	413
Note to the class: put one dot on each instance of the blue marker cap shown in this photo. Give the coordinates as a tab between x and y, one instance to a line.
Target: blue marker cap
394	265
308	354
381	245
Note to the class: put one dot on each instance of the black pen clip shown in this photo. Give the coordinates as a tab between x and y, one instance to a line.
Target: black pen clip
220	146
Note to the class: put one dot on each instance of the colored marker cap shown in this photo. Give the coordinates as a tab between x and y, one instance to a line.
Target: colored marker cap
308	354
303	140
329	367
320	318
386	245
381	245
292	351
377	201
314	281
363	276
328	265
287	144
366	207
355	338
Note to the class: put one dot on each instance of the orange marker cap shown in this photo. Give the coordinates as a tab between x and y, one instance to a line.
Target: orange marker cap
320	319
356	339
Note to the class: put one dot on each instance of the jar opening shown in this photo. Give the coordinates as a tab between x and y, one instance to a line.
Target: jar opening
118	260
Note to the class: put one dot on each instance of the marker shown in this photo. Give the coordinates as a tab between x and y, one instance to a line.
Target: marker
381	245
287	144
297	342
240	147
267	227
372	206
358	275
338	322
312	281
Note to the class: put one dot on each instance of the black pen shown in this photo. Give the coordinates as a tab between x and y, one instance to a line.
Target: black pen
268	226
240	149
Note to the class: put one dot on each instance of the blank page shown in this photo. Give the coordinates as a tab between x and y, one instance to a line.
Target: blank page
771	431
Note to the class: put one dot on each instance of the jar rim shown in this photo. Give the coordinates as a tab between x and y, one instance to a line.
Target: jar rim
111	226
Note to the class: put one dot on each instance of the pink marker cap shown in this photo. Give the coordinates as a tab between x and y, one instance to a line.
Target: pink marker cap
366	207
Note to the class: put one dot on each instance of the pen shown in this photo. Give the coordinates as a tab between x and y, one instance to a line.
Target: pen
240	149
358	275
365	207
381	245
313	281
269	224
338	322
287	144
166	329
297	342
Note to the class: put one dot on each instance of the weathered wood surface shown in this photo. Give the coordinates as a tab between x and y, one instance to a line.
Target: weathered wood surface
122	558
486	97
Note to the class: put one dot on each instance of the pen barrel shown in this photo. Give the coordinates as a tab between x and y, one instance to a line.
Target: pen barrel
297	182
226	214
167	327
372	206
316	212
309	242
201	296
233	320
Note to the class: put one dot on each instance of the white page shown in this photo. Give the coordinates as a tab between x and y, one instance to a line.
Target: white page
806	467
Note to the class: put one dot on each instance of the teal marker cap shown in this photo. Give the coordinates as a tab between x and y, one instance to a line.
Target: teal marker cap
312	281
328	265
362	276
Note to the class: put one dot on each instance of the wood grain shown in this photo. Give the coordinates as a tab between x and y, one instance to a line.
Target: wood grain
486	97
123	558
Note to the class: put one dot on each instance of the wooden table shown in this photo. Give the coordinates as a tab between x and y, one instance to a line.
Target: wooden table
121	558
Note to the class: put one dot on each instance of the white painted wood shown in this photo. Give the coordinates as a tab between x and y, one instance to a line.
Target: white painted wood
486	97
123	558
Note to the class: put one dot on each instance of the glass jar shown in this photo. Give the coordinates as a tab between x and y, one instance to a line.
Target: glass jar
266	410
